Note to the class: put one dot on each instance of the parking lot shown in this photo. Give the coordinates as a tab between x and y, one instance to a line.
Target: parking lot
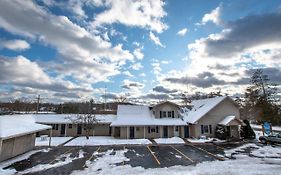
64	160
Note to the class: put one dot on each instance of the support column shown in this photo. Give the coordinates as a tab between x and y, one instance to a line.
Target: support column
161	128
127	132
144	132
0	146
66	126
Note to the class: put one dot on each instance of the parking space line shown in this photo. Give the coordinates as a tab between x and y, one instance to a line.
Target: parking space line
152	153
61	154
207	152
91	157
182	154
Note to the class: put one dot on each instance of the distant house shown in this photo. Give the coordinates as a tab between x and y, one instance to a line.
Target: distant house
17	136
62	125
136	121
207	114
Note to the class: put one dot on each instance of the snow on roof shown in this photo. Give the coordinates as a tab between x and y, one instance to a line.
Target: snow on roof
227	120
66	118
12	126
201	108
138	115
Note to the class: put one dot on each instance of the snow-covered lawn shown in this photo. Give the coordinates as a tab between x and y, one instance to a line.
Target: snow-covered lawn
55	141
172	140
103	140
243	164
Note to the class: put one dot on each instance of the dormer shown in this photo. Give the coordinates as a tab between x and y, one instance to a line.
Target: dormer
166	109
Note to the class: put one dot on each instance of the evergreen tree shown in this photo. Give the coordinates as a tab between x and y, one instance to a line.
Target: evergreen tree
260	99
246	131
221	133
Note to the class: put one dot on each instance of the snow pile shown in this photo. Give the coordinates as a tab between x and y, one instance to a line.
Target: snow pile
55	141
105	140
200	140
173	140
267	151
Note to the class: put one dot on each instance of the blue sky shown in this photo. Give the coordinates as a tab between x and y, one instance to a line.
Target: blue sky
144	50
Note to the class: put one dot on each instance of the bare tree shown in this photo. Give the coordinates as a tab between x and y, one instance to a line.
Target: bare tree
121	99
87	120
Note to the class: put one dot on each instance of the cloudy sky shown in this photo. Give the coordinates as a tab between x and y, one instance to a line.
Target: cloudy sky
144	50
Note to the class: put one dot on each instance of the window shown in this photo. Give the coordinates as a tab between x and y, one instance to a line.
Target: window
173	114
69	126
137	128
205	129
153	129
55	127
164	114
169	114
160	114
210	128
177	128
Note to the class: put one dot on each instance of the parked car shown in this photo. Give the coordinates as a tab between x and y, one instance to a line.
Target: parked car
272	138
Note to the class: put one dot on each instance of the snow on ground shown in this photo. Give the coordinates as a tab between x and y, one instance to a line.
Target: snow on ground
200	140
105	140
16	159
104	163
243	164
229	152
267	151
258	134
172	140
58	162
55	141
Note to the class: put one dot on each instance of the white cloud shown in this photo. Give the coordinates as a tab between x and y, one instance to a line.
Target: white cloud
155	39
142	74
18	70
138	54
145	14
132	85
127	73
17	45
76	6
78	47
28	78
213	16
137	66
182	32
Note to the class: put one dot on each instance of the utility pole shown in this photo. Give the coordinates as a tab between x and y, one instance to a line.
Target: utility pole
105	98
38	101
